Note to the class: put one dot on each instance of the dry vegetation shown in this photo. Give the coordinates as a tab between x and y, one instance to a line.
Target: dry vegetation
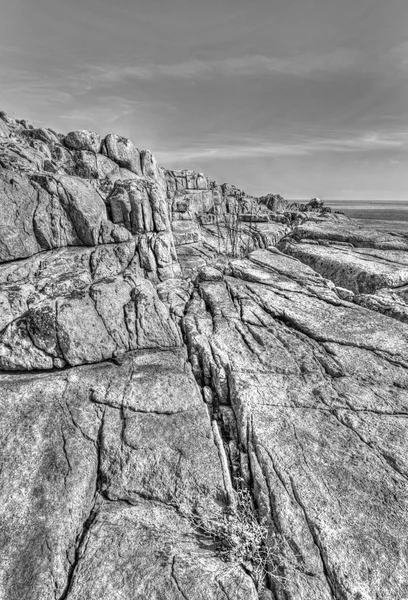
237	535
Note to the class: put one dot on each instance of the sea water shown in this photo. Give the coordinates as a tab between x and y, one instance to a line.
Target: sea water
386	215
384	210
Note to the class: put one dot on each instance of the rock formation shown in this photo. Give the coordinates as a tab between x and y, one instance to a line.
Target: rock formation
203	394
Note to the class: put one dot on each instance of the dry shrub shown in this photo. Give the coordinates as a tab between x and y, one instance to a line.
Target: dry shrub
234	532
238	536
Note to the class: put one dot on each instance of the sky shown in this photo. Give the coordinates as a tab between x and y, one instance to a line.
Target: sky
298	97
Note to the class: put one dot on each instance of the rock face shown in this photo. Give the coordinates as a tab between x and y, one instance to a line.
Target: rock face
369	267
361	270
201	398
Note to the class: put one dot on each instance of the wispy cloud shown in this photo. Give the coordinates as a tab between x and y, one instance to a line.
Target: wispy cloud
302	145
108	111
303	65
398	56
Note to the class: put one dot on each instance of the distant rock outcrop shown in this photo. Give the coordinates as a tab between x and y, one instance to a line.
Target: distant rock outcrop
203	394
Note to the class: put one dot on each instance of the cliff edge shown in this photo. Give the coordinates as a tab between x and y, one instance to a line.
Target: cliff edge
203	394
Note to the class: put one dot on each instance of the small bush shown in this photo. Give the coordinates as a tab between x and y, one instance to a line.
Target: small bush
234	531
237	536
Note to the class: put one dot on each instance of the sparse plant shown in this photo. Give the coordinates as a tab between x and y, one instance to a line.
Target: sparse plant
229	233
237	236
238	536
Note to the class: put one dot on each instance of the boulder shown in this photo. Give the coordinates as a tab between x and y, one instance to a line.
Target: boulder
149	165
123	152
83	140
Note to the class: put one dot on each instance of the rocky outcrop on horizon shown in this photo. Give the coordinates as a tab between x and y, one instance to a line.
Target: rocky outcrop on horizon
204	394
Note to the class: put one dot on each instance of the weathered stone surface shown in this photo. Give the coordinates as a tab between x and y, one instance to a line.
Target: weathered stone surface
84	207
361	270
83	140
123	152
154	541
155	371
248	218
62	160
55	211
44	135
4	130
338	228
99	169
62	210
387	302
149	165
22	155
140	206
88	324
87	510
318	388
230	237
17	239
185	232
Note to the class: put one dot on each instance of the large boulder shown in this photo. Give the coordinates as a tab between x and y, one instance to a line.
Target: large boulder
83	140
123	152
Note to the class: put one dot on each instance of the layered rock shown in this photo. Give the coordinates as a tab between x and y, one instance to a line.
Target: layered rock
188	412
318	387
94	462
369	267
334	228
361	270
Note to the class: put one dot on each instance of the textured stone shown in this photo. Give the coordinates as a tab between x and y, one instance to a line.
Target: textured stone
361	270
318	388
149	165
338	228
87	325
18	200
83	140
4	130
185	232
83	458
123	152
44	135
99	169
148	387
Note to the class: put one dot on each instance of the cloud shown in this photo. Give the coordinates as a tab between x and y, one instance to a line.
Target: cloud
106	111
398	56
302	145
304	65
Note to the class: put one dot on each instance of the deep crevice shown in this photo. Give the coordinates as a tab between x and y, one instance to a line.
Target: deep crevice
83	535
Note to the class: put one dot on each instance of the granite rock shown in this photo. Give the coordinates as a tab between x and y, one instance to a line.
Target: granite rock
83	140
203	394
123	152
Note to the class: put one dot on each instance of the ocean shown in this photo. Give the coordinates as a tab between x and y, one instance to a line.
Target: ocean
392	210
387	215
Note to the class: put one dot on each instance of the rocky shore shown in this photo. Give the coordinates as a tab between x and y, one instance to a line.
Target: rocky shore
204	394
